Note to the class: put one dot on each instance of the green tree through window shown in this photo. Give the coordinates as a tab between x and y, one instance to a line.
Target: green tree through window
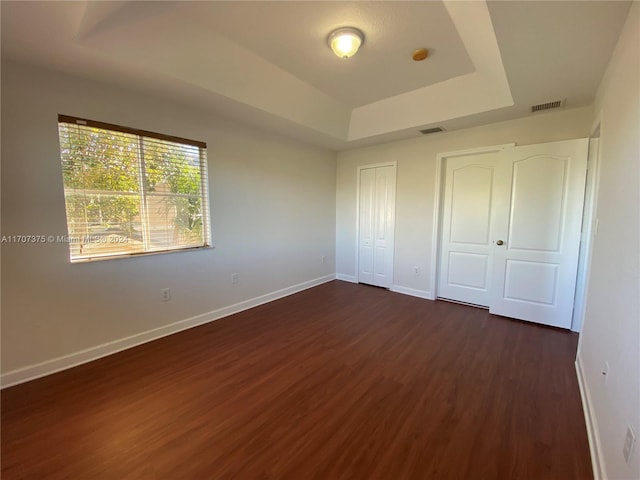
129	191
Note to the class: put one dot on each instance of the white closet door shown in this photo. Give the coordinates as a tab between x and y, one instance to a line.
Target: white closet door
385	208
474	183
367	225
377	225
534	269
510	232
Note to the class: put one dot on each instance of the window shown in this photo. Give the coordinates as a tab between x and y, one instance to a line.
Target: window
130	191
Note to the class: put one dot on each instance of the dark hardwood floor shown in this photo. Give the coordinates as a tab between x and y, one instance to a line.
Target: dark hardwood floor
341	381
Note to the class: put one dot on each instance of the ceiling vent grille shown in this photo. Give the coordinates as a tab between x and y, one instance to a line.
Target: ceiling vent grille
427	131
547	106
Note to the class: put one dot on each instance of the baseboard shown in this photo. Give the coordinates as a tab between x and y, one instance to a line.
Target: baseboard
48	367
412	291
394	288
590	420
346	278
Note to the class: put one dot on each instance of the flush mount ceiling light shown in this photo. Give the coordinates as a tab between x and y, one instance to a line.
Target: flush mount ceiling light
346	41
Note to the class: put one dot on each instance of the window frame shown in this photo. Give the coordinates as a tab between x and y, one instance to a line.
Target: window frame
140	135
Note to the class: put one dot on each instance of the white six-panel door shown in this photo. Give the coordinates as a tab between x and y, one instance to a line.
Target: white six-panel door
376	225
511	228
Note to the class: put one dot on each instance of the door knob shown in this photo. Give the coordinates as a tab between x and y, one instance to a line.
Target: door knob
499	242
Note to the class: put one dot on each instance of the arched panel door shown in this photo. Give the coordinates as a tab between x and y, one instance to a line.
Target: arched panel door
510	233
535	268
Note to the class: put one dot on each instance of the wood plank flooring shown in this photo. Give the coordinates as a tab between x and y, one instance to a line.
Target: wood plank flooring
341	381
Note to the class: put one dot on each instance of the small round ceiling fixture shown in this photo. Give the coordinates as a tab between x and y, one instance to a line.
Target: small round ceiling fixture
420	54
345	41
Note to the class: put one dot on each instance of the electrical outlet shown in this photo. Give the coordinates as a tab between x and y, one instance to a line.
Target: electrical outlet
235	278
629	443
605	372
165	294
416	271
324	259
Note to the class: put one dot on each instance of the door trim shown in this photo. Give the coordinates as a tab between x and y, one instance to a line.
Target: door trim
438	204
392	163
588	230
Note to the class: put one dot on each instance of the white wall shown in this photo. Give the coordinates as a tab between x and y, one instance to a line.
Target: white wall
611	331
273	218
416	184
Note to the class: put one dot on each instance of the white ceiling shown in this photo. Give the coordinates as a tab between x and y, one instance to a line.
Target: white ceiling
267	63
296	43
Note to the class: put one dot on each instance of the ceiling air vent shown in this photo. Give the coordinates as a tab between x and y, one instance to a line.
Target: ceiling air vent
427	131
547	106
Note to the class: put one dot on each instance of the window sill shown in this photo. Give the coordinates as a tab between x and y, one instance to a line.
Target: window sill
100	258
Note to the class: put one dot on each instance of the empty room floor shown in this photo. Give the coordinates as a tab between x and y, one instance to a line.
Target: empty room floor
341	381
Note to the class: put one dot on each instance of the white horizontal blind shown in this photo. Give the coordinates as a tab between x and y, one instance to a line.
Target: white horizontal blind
130	191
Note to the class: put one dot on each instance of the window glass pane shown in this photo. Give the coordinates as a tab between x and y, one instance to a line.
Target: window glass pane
174	200
174	220
101	224
97	159
126	193
171	164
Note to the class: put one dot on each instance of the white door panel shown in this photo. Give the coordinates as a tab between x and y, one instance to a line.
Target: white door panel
537	202
471	204
532	282
366	237
468	270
